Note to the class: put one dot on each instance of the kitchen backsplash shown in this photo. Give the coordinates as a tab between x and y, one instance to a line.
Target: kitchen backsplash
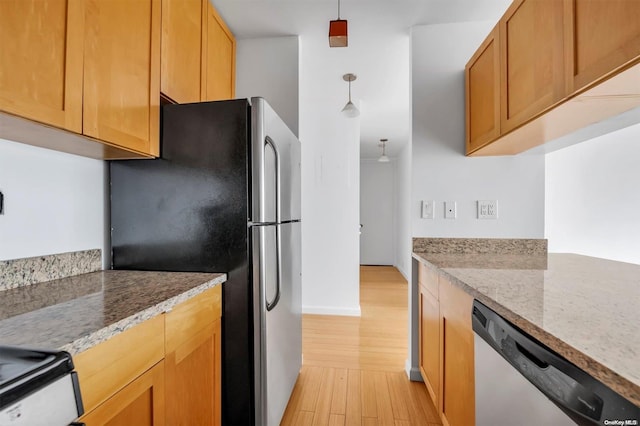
514	246
32	270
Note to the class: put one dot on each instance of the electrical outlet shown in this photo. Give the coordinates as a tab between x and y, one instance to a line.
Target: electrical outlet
487	209
427	209
449	209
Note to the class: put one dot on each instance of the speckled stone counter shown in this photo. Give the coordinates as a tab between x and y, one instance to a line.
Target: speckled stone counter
584	308
21	272
76	313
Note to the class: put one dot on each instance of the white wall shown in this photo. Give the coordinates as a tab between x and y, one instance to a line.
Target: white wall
377	212
330	186
295	73
54	202
268	67
403	243
593	197
440	169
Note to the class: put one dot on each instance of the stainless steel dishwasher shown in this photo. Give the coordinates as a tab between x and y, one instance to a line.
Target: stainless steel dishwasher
521	382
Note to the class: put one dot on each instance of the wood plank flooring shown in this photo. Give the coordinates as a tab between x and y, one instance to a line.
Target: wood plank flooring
353	368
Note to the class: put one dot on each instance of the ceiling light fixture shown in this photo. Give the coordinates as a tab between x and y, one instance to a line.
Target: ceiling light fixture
338	31
350	110
383	158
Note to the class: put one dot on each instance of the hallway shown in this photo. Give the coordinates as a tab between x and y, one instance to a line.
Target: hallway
353	368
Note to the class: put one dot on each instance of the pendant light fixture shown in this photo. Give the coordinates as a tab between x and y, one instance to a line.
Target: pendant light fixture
338	31
350	110
383	158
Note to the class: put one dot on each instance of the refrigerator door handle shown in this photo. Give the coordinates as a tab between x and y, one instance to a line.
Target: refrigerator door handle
276	298
268	142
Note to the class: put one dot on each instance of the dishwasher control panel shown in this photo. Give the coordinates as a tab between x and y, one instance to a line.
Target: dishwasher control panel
584	399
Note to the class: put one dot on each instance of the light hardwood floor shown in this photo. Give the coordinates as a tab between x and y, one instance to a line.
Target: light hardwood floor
353	368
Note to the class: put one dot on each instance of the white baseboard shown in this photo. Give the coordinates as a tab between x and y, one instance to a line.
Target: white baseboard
413	373
331	310
402	272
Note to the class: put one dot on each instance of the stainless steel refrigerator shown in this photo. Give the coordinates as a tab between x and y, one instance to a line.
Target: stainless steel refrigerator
225	197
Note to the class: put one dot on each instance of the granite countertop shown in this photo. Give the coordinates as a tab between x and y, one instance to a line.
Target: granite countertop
584	308
76	313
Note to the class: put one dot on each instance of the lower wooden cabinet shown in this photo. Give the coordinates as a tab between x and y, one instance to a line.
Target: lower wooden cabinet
192	361
108	367
165	370
430	343
193	380
446	348
457	405
140	403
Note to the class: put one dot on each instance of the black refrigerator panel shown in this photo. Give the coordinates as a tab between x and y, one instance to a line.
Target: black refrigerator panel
188	211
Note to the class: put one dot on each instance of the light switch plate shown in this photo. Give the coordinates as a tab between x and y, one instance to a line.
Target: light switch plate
427	209
487	209
449	209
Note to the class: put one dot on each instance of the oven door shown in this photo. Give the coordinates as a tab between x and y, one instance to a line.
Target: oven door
38	388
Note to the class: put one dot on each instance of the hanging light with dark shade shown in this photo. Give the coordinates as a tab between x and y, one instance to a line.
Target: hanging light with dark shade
338	31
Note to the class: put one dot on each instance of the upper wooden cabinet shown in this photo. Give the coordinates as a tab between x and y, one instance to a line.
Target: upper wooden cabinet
95	68
182	41
41	44
219	58
482	77
122	73
564	65
602	36
198	53
532	62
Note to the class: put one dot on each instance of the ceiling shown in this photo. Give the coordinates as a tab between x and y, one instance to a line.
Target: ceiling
378	51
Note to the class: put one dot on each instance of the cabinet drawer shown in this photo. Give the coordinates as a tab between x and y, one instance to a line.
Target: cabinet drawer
108	367
188	318
428	278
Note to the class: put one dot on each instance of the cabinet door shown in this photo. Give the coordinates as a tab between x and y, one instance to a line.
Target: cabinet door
193	361
181	50
602	36
430	343
532	54
140	403
457	403
41	60
219	58
193	380
122	73
482	80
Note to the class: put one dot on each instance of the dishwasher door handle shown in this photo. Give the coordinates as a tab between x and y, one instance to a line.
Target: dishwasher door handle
537	361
